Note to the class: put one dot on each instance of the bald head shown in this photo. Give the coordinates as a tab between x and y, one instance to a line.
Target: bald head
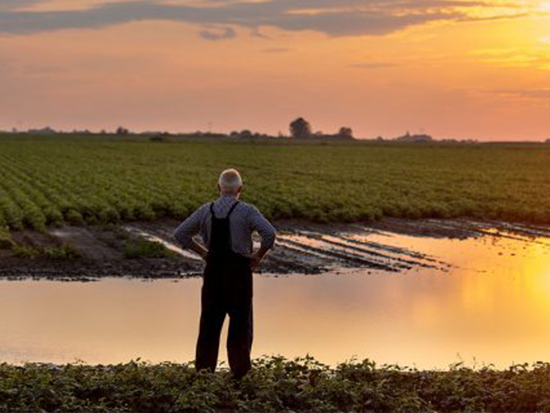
230	182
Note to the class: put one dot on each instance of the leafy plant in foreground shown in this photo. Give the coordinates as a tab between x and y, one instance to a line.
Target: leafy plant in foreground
275	384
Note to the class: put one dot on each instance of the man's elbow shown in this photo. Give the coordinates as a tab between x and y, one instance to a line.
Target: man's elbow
184	243
182	239
269	239
176	235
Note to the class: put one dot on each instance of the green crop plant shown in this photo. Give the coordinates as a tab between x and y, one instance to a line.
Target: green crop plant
6	242
101	180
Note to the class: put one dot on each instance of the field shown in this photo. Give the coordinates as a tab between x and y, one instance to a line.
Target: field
49	180
274	385
93	182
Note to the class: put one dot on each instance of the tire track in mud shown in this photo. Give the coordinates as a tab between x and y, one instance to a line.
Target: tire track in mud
356	252
315	248
312	251
388	246
515	232
348	259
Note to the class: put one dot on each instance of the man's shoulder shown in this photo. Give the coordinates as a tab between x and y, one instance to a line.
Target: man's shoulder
247	207
250	210
203	208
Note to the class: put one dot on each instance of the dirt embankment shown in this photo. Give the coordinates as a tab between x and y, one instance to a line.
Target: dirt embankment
147	249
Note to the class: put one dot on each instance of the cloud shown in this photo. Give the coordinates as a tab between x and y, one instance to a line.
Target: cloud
514	57
529	94
332	17
373	65
34	69
16	4
276	50
228	33
5	65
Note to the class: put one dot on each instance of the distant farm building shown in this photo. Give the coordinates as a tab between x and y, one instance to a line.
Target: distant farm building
44	131
414	138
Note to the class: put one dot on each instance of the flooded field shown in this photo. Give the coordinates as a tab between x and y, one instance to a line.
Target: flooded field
481	296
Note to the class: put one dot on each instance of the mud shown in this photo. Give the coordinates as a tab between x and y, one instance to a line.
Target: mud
301	248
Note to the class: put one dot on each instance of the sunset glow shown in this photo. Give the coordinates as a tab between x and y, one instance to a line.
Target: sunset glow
457	69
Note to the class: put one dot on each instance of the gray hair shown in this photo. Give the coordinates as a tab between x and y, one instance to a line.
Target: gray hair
230	180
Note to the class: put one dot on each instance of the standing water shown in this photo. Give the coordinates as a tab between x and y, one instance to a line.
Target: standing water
490	303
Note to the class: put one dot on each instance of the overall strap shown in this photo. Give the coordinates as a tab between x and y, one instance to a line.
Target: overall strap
228	214
232	209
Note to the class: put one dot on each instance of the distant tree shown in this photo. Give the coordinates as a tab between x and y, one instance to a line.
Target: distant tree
159	137
300	128
122	131
345	133
245	134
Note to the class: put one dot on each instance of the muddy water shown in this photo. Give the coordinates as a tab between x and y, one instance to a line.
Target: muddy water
479	300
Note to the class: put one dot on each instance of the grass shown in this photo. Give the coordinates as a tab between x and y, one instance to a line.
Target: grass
62	252
57	253
274	385
142	248
48	180
5	239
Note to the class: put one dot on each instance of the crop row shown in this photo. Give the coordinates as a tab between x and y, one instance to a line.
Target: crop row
48	181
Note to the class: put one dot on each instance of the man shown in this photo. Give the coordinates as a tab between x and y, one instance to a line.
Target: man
226	227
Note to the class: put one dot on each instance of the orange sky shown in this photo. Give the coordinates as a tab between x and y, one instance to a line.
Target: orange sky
451	68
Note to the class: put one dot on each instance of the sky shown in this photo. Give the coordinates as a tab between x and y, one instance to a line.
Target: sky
462	69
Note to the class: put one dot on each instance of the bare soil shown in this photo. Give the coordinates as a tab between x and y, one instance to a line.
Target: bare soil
302	248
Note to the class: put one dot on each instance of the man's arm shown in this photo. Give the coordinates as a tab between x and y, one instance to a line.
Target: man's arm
188	229
198	249
267	233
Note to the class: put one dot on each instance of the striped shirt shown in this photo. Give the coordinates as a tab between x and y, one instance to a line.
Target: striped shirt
244	220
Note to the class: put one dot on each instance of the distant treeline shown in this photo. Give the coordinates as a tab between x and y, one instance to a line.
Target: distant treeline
299	129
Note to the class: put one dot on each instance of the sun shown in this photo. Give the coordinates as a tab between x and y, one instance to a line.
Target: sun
544	6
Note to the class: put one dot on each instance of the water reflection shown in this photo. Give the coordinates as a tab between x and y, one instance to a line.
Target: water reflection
493	305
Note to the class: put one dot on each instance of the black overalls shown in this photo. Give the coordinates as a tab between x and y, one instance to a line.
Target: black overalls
226	289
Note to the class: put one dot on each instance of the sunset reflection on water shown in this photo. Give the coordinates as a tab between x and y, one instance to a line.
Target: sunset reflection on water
491	306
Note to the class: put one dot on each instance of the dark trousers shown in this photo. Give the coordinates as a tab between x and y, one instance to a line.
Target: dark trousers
226	290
